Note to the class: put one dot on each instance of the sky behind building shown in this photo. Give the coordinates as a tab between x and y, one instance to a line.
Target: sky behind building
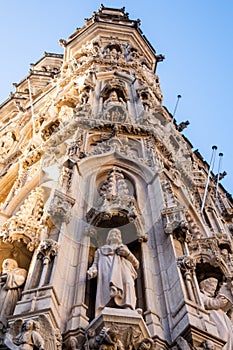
194	36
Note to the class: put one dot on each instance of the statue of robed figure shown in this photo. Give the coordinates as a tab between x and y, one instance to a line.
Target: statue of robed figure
115	267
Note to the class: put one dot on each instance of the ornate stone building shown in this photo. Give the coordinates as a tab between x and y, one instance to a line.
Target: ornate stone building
104	243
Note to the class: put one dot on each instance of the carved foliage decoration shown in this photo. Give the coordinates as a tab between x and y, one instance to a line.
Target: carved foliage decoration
26	225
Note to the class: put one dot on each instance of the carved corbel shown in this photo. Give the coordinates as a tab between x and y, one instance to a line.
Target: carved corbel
174	222
91	232
71	343
60	207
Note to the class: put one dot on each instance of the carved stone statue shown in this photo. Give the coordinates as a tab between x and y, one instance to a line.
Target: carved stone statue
73	344
115	267
108	339
91	342
6	143
113	97
28	339
11	282
145	344
218	305
65	113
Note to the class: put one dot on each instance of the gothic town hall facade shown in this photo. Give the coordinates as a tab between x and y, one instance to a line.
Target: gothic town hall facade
104	239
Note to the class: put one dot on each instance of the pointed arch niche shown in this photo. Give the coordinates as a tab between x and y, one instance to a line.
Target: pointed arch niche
116	203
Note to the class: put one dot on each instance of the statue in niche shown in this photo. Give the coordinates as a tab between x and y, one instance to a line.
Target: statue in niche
11	283
115	107
115	114
115	267
218	304
113	97
7	142
28	339
114	54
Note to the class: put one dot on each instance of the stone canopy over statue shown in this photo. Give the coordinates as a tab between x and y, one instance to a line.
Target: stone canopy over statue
115	267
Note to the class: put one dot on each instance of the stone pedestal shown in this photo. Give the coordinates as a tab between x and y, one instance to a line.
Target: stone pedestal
129	324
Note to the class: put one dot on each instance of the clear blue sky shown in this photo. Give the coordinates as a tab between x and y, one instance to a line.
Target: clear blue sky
195	36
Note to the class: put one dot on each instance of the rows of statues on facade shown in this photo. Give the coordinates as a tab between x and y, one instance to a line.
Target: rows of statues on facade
11	282
115	267
115	51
